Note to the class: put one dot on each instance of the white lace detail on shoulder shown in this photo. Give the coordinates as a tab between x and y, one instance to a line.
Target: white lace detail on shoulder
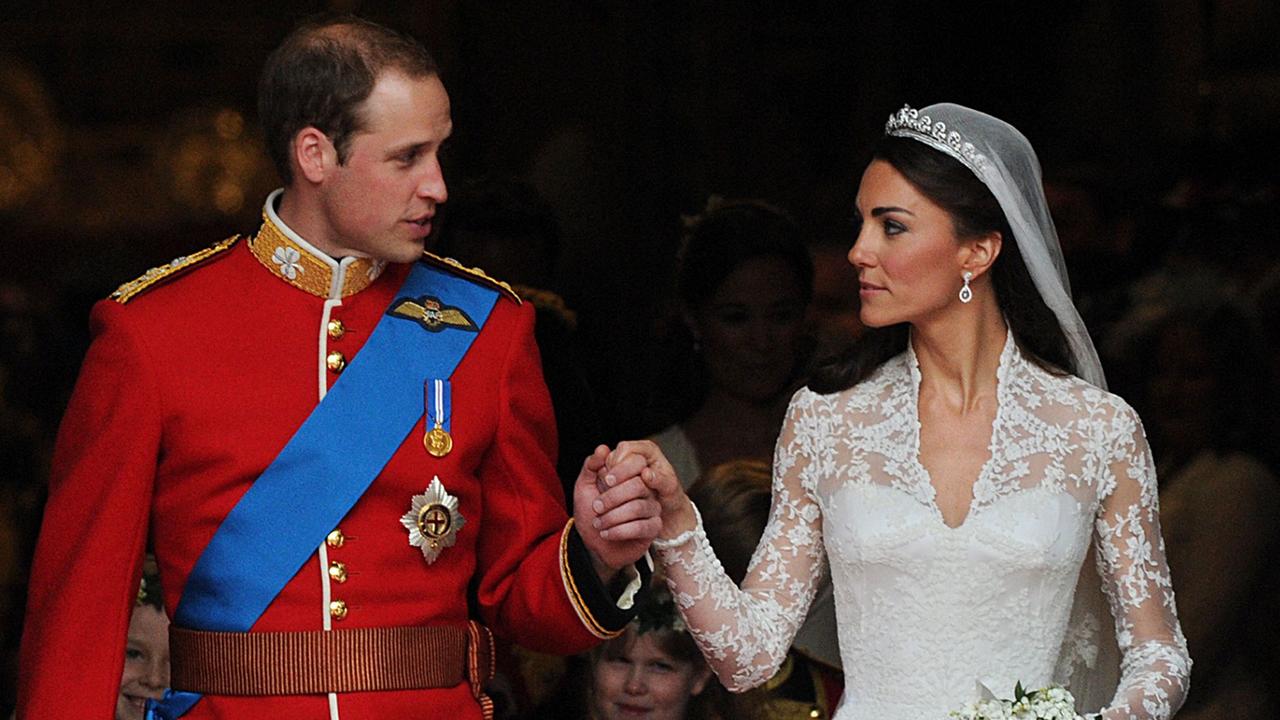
926	611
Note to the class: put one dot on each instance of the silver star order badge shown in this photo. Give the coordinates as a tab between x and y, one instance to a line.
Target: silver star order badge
433	521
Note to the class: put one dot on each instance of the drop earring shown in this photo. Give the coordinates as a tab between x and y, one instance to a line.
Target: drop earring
966	292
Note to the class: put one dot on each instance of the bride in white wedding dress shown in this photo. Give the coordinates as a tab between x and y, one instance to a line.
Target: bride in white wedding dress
963	474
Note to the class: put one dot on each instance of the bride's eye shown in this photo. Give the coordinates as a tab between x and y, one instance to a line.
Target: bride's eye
893	227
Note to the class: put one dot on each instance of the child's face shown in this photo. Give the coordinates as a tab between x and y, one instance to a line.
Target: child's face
635	678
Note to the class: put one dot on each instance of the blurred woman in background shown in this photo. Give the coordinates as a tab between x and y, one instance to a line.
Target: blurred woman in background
744	283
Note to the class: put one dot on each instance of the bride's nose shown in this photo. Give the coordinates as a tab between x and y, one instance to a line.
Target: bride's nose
860	255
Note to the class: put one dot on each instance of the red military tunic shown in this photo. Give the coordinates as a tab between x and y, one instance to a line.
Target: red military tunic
192	388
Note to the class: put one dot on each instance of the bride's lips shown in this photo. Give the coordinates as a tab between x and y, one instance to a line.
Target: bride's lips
865	289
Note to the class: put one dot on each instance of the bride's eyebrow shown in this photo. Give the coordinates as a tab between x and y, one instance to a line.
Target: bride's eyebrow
877	212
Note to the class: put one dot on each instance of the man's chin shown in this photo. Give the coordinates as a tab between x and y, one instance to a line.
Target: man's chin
402	253
410	257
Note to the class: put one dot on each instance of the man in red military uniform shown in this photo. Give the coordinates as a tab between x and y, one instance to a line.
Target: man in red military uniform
212	387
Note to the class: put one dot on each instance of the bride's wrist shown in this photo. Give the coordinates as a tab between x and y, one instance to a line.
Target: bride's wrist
678	525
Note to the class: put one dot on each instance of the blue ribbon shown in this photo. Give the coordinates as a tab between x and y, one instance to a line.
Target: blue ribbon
326	467
439	396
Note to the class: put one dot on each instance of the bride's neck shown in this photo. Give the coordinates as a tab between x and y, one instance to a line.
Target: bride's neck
959	353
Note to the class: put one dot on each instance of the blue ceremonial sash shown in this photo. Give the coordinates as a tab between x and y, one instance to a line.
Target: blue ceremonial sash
328	464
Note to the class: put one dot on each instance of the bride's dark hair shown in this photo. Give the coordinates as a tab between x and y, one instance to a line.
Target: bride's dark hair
974	211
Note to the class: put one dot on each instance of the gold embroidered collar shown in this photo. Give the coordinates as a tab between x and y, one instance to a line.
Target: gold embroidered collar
297	262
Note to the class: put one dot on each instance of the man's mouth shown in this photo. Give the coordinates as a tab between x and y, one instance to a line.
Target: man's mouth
421	226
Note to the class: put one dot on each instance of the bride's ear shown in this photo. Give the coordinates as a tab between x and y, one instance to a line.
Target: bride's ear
978	254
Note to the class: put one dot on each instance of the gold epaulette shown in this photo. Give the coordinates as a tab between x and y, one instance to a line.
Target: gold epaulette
157	275
475	274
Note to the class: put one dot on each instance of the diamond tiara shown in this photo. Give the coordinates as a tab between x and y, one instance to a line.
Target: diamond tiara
908	122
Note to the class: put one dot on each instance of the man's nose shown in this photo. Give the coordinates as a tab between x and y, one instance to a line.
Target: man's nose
431	185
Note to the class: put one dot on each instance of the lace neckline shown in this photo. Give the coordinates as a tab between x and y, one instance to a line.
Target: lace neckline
1010	358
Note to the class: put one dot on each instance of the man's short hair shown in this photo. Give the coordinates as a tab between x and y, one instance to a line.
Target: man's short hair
321	75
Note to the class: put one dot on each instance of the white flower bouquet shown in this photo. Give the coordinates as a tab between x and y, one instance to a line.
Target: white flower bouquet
1051	703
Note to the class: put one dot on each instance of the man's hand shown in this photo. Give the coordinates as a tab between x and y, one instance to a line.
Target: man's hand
614	511
658	475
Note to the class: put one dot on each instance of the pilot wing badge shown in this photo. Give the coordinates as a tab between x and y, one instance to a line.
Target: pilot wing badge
432	314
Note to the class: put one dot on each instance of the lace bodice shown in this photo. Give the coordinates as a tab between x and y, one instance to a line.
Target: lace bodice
926	611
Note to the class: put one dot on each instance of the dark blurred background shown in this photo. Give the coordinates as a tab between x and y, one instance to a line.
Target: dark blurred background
127	130
128	137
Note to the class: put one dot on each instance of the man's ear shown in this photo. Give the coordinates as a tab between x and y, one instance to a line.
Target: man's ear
977	255
314	155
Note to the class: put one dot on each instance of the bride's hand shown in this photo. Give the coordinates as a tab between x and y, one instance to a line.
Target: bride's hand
660	477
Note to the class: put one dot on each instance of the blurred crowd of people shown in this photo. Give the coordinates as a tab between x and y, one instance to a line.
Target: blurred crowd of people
1182	293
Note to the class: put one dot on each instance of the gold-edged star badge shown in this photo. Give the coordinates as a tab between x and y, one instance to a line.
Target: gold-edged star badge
433	521
432	314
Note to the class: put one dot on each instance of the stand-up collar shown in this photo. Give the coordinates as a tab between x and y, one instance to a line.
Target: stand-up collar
299	263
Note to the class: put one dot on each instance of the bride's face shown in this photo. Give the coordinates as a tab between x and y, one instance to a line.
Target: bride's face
907	256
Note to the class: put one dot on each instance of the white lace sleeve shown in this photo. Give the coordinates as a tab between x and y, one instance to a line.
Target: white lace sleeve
745	632
1155	666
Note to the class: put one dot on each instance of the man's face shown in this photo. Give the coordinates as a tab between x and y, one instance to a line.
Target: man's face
380	202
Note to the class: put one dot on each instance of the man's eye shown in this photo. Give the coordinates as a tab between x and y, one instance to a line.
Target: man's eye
132	654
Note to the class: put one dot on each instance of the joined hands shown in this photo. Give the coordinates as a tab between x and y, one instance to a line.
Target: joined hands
623	500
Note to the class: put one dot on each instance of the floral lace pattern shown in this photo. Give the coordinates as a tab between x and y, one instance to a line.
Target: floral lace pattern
926	611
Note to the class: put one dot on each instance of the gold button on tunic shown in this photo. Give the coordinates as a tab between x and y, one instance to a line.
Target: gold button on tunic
338	609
